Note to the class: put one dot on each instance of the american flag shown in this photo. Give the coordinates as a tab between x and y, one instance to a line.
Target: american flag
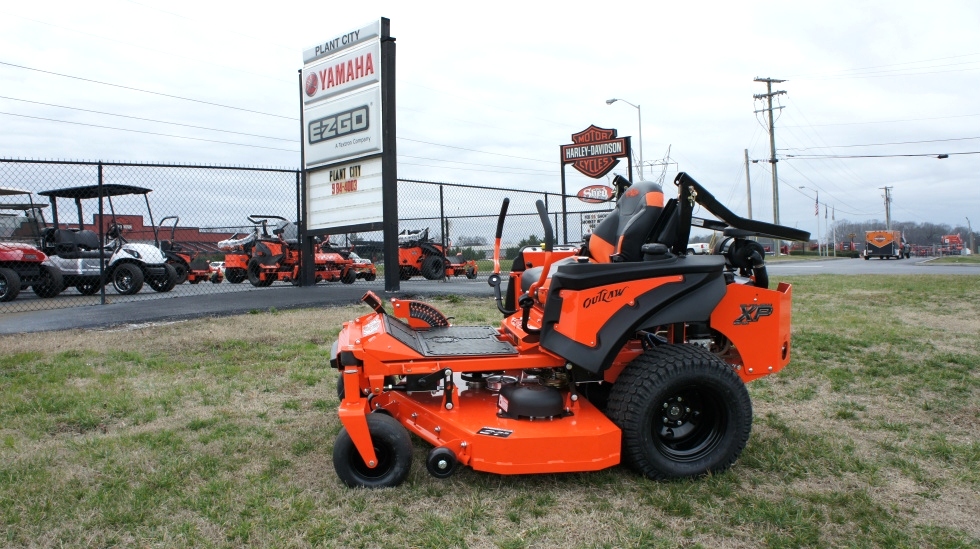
816	208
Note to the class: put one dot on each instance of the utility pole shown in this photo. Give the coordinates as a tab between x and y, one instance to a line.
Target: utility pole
772	141
888	208
748	182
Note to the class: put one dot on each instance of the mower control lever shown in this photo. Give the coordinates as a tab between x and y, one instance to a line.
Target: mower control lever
494	279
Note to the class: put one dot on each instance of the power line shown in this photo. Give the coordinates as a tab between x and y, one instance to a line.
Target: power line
148	91
148	119
146	132
476	151
932	155
883	144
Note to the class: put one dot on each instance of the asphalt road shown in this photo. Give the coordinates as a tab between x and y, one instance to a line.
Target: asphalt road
185	302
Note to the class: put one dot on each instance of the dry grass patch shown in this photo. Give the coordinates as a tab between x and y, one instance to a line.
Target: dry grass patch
219	432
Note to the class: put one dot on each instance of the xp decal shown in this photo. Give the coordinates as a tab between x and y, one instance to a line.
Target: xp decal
752	313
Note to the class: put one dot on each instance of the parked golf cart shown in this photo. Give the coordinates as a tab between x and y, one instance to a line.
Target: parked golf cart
186	259
418	255
87	263
22	264
264	257
628	350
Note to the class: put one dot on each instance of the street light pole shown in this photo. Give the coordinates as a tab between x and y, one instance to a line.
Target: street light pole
819	252
639	116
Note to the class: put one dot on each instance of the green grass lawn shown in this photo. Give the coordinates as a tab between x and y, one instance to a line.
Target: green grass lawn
972	259
218	433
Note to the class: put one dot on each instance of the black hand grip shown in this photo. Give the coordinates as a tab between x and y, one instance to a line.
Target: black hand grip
549	233
500	219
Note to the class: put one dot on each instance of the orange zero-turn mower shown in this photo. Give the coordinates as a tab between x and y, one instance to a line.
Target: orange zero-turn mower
187	260
629	351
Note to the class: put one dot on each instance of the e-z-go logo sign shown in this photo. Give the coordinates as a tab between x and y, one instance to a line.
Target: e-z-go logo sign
338	125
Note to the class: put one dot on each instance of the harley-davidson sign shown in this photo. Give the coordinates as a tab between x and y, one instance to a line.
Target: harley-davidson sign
594	151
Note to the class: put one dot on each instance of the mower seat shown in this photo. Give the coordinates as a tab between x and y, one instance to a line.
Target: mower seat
532	275
620	236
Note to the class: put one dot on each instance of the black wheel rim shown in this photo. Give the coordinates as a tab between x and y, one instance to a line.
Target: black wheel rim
386	461
123	280
689	423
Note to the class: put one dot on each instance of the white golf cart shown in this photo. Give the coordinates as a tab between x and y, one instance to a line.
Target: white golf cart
87	263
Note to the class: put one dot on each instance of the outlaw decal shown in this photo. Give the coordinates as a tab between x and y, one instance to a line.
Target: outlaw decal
604	296
752	313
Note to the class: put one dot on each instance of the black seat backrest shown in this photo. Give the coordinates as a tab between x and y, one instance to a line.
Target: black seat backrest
627	228
87	240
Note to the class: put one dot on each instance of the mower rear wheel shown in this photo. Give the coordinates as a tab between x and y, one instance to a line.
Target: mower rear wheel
50	284
127	279
683	412
255	274
9	284
180	269
470	272
349	276
235	275
370	277
433	268
392	446
168	281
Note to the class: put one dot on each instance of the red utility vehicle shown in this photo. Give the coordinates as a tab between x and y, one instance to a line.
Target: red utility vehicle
23	265
628	350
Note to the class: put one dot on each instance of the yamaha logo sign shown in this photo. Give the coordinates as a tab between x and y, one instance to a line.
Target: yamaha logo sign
312	83
594	151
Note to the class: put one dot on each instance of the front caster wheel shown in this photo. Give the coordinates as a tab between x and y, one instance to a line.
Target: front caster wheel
392	446
441	462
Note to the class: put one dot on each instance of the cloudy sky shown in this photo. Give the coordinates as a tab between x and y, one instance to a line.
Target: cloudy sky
487	92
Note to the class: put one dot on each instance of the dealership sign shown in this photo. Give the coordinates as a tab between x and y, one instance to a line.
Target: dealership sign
594	151
342	87
596	194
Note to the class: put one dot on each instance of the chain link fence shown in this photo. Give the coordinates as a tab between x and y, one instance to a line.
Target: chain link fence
119	232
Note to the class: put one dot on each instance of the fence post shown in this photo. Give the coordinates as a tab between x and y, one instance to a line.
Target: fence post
442	219
101	234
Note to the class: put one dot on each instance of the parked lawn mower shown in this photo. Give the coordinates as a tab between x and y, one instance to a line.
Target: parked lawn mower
265	257
362	268
418	255
186	260
86	263
627	351
22	264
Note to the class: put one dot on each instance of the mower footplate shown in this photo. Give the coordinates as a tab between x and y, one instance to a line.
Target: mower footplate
485	441
451	341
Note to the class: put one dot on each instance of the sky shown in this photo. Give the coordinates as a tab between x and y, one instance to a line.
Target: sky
487	93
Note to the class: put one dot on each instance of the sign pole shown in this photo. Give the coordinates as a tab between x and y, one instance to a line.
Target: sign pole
389	164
